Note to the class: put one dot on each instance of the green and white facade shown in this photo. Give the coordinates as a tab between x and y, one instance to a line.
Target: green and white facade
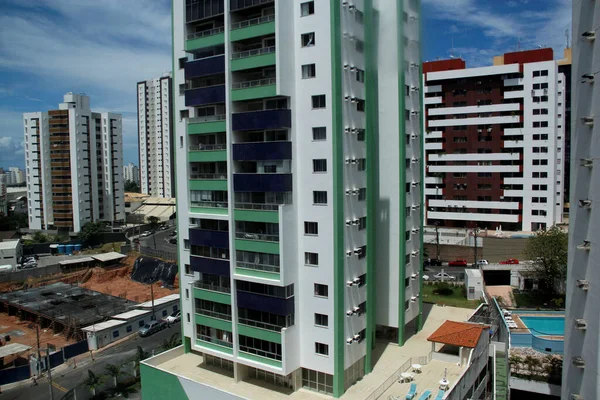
298	185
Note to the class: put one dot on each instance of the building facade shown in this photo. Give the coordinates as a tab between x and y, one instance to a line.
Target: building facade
582	320
299	191
74	166
495	142
131	173
155	127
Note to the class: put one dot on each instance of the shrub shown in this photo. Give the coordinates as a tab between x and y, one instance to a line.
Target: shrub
443	289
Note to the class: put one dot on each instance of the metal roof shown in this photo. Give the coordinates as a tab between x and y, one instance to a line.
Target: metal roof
158	302
76	261
131	314
473	273
13	348
9	244
113	255
111	323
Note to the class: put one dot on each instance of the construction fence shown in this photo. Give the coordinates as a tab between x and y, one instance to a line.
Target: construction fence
165	255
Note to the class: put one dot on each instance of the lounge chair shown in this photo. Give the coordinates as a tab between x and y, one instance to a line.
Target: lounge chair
440	395
426	395
412	392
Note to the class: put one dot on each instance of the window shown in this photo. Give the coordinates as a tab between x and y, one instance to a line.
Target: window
362	194
321	348
362	164
362	223
360	105
321	320
129	328
307	8
319	197
311	228
360	46
320	165
141	323
318	101
186	244
116	334
309	71
319	133
187	293
184	114
308	39
360	75
360	135
359	16
311	258
187	269
188	317
181	142
164	313
321	290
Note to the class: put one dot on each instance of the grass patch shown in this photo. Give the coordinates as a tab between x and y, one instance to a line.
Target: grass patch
456	299
537	300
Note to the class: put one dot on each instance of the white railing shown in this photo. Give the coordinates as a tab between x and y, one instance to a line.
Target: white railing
211	287
396	375
259	267
207	147
252	53
253	21
255	83
205	33
257	236
248	3
208	118
261	325
257	206
210	177
209	204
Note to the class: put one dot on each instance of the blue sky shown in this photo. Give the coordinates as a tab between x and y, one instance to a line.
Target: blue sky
103	47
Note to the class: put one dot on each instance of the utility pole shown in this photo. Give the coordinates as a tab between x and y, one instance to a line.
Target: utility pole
49	373
152	294
437	240
475	243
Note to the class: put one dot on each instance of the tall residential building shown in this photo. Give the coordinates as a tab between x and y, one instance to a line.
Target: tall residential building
131	173
495	142
74	160
582	320
299	190
155	127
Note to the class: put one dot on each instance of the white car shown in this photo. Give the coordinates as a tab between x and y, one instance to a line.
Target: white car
146	234
482	262
175	317
445	276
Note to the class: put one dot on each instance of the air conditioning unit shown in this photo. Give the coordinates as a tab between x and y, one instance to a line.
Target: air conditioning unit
354	131
414	112
356	251
347	130
414	230
414	65
579	362
349	283
355	222
354	99
414	88
489	129
415	207
356	310
348	192
583	284
356	338
413	299
532	92
349	253
356	281
414	276
414	160
353	68
585	203
348	160
346	66
586	245
355	191
349	341
589	78
354	161
413	253
414	136
346	98
586	162
414	184
589	35
588	120
576	397
580	324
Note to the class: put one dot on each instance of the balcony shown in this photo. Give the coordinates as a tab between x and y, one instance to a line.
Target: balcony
201	237
255	89
205	67
216	294
254	27
207	152
206	124
258	151
255	58
270	304
236	5
207	265
207	38
262	182
205	95
262	120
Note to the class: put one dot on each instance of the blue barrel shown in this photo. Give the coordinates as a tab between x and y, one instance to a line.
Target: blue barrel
61	249
78	247
70	248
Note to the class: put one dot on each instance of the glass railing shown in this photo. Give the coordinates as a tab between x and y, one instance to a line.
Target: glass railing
255	83
253	21
214	314
252	53
261	353
257	236
261	325
259	267
209	177
239	4
211	287
214	340
207	147
257	206
209	204
208	118
205	33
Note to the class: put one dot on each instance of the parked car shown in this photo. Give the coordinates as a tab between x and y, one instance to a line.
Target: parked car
459	262
146	234
152	327
425	277
482	262
173	240
433	262
510	261
444	276
164	227
174	233
175	317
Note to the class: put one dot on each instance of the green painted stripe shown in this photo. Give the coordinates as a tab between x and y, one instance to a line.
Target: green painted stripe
217	297
338	199
252	31
269	336
256	216
257	246
199	128
208	210
253	62
262	360
214	346
421	321
206	41
401	171
254	273
213	322
259	92
158	384
197	184
207	156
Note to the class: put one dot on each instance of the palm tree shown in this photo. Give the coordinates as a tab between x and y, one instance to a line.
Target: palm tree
172	342
140	355
93	382
532	364
114	371
515	361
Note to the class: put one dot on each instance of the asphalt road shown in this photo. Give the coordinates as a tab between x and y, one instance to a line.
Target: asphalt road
68	378
162	243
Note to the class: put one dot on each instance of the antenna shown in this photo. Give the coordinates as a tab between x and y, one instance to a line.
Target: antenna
567	36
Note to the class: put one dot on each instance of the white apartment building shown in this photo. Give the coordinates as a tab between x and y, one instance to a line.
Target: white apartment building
581	360
74	160
298	158
495	142
155	128
131	173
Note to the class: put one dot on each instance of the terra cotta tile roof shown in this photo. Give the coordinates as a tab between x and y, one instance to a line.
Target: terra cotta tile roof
463	334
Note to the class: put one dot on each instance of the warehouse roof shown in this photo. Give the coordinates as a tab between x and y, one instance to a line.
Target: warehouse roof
111	323
113	255
158	302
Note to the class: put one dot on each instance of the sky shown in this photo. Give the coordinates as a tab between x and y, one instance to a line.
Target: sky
104	47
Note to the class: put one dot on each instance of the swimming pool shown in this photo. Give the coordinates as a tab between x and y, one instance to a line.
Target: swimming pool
542	326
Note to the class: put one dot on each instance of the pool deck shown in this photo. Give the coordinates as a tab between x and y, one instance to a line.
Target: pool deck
522	327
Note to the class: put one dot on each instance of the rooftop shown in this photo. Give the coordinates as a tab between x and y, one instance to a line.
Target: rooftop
113	255
162	300
13	348
473	272
131	314
111	323
76	261
9	244
464	334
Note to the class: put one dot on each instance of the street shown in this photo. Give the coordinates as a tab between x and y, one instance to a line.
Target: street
68	378
162	243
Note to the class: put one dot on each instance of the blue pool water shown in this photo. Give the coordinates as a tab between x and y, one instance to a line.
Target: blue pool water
545	325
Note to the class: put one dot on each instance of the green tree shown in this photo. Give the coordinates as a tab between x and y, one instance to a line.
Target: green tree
515	361
172	342
140	355
39	237
131	186
92	382
533	364
548	252
114	371
90	233
153	224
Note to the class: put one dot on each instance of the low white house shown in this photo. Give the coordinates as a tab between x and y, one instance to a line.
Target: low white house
11	252
163	307
473	283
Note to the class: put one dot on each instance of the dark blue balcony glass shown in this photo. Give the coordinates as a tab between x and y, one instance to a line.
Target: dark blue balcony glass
201	237
269	304
262	182
262	151
259	120
204	67
209	265
205	95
